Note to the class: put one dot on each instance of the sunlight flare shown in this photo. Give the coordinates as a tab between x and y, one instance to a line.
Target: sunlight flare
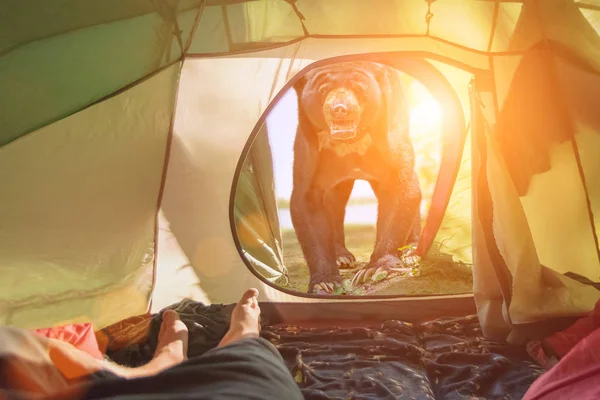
425	115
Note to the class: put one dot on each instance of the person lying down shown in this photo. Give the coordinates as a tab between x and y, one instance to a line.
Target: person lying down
242	366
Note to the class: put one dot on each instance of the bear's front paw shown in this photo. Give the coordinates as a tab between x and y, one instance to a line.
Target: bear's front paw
343	258
377	270
325	283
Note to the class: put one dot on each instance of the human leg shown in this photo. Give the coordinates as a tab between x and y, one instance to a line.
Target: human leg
242	366
171	350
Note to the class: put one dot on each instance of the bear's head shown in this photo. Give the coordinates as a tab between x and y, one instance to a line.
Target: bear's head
344	99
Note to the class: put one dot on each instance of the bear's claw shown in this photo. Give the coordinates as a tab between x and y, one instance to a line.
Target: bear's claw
374	273
343	258
345	262
377	270
326	287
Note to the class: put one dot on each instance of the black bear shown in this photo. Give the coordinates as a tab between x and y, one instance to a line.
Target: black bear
353	124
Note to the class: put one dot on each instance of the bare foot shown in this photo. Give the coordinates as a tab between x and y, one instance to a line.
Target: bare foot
172	338
245	319
171	348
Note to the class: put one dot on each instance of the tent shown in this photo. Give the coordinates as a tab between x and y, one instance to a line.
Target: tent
129	179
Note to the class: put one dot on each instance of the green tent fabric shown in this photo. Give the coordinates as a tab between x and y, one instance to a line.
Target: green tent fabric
255	211
113	111
84	50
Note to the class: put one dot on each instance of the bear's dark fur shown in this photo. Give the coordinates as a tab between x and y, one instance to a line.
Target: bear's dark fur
353	124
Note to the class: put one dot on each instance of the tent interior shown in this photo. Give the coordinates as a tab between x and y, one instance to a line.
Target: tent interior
145	154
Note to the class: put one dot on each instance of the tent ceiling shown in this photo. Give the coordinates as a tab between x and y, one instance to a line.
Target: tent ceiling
48	52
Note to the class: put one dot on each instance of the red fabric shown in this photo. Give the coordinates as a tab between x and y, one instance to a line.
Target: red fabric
538	353
562	342
79	335
576	376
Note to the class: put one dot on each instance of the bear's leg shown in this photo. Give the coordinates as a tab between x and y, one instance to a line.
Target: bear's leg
399	207
314	229
310	218
337	200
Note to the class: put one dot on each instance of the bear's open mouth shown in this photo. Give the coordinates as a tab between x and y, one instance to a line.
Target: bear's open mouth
342	130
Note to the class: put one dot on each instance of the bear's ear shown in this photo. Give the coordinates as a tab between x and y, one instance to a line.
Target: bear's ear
394	100
380	72
300	83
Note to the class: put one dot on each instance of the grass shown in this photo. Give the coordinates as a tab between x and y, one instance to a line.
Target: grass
438	273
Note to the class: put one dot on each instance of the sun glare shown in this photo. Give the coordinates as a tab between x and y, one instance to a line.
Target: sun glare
425	114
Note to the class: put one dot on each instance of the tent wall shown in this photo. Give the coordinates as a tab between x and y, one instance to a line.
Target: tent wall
537	224
80	189
79	201
56	60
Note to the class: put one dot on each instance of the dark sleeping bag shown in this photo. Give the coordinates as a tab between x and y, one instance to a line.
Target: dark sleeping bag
445	359
207	324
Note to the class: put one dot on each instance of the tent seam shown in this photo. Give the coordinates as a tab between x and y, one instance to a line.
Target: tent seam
494	25
274	45
194	28
300	16
227	27
161	190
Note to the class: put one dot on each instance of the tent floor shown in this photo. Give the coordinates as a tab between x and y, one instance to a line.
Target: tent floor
410	309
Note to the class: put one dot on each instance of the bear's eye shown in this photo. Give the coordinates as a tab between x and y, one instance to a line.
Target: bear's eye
360	95
323	90
359	91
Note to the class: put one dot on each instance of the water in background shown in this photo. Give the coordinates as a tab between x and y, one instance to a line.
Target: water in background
360	214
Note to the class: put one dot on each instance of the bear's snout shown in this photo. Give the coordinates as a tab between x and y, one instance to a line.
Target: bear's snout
340	110
342	103
342	113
